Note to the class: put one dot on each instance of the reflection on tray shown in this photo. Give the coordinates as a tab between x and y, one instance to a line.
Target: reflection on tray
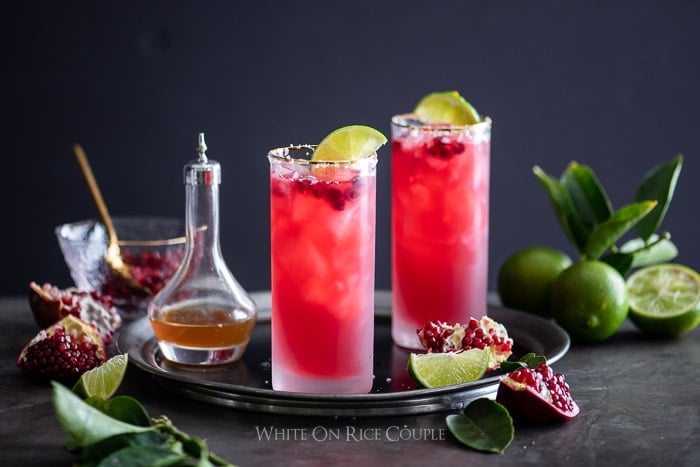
234	373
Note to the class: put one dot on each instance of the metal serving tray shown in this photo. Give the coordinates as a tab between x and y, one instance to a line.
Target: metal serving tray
246	383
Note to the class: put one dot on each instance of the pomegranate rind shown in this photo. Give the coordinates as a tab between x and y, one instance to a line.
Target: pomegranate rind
79	331
525	403
45	307
46	303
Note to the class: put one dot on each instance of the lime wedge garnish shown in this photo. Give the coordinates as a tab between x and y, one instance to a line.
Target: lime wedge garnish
433	370
104	380
664	299
446	107
349	143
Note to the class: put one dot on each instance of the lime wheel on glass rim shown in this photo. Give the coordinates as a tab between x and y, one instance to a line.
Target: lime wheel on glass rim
349	143
447	107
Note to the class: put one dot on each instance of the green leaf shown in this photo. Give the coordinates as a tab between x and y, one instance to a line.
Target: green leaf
101	449
195	447
658	184
622	262
530	360
85	424
606	234
564	209
123	408
144	456
587	195
484	425
655	250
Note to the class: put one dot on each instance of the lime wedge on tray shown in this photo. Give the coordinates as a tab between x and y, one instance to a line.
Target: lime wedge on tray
446	107
104	380
433	370
664	299
350	143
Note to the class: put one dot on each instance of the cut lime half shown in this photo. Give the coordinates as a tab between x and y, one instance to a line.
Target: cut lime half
350	143
446	107
433	370
664	299
104	380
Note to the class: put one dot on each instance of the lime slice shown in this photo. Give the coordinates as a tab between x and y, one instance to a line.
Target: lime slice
104	380
349	143
664	299
433	370
446	107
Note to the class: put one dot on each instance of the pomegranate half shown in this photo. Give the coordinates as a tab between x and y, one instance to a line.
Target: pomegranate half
537	395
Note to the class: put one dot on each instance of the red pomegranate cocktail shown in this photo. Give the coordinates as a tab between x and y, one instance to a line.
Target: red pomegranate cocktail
440	223
322	217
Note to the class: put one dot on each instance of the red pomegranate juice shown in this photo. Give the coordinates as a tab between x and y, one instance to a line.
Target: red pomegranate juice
440	224
322	219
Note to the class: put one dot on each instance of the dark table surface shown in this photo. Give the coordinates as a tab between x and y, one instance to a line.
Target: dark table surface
639	402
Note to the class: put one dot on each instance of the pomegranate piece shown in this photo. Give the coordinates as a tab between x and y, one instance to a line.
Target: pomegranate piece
438	336
63	351
537	395
50	304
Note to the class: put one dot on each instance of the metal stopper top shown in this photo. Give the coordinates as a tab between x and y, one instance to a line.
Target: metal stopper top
202	171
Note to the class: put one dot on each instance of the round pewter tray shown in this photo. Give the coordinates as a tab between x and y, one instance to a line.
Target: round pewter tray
246	383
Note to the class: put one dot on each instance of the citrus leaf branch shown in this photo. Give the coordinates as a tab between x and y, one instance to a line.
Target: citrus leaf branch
564	209
587	194
607	233
657	249
659	184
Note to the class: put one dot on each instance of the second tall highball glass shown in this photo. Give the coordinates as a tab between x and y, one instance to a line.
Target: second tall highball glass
440	224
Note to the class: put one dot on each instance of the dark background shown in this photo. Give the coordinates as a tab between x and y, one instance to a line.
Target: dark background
612	84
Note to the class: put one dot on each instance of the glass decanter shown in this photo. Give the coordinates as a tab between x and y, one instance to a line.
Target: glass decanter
202	316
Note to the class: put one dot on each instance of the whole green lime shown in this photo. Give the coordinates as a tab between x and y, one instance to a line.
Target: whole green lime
590	301
526	277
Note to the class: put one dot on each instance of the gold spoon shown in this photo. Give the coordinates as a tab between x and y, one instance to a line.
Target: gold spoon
113	257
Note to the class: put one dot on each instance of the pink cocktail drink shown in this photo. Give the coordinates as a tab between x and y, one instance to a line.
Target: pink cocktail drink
322	247
440	224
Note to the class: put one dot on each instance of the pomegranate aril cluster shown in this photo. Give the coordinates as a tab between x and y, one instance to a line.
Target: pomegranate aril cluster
444	148
433	336
60	356
559	390
528	377
476	337
337	194
438	336
150	269
543	377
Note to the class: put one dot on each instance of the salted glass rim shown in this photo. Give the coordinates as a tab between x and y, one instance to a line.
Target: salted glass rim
402	121
281	154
